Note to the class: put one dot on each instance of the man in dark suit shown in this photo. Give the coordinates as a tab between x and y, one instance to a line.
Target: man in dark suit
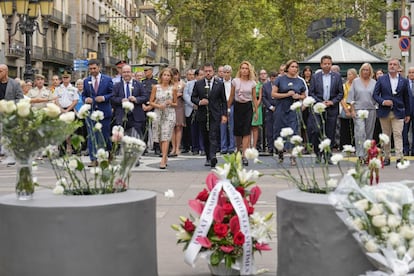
269	104
210	97
10	90
325	87
129	90
97	91
391	92
409	145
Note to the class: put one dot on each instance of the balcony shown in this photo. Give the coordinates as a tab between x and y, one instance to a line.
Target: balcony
58	56
16	50
60	18
37	53
90	22
150	53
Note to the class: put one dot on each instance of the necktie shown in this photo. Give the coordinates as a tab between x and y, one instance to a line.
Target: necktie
96	86
127	92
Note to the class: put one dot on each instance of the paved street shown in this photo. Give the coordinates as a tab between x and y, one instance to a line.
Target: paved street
185	176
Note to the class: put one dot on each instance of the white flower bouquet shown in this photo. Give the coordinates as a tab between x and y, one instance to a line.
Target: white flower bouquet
382	220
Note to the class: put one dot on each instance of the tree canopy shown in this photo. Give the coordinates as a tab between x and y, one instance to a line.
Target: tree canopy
265	32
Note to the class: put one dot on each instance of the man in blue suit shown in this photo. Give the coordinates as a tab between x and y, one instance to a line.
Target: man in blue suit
409	145
391	92
137	95
97	91
325	87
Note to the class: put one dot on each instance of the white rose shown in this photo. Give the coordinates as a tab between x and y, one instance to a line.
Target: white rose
3	106
362	114
9	107
362	204
169	194
376	209
358	223
279	145
348	148
384	139
407	232
152	115
403	164
379	220
251	153
367	144
84	111
52	110
295	106
371	246
319	108
58	190
128	106
297	151
67	117
401	250
73	164
102	155
375	163
97	115
23	107
394	239
308	101
98	126
325	144
296	139
286	131
332	183
336	158
117	130
393	221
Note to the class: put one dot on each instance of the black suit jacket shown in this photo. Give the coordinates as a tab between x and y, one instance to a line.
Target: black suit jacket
217	104
138	92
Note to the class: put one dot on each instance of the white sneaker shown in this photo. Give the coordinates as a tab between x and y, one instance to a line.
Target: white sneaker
9	161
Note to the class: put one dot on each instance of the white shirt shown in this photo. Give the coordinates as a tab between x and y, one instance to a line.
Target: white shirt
394	84
227	87
66	95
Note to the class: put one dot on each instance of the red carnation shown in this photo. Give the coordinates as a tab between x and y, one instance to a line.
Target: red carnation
240	189
239	238
203	195
189	226
220	229
227	208
234	224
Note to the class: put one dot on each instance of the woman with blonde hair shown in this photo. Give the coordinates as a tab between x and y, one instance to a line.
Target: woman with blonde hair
345	119
164	100
363	108
243	93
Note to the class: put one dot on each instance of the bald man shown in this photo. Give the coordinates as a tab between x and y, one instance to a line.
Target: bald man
10	90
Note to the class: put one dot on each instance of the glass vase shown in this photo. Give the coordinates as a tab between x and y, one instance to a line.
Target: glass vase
24	181
222	270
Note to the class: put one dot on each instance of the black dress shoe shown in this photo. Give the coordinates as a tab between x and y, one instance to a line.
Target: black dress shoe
208	163
213	162
387	162
137	164
223	152
195	152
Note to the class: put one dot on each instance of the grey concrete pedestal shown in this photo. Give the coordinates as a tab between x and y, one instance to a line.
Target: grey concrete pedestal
100	235
313	240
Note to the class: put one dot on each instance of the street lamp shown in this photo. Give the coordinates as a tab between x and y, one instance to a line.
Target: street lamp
103	26
28	13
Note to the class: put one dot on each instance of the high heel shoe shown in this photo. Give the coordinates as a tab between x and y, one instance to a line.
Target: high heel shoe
163	167
245	161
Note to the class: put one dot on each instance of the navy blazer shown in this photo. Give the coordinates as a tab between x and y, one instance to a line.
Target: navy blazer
104	89
138	92
267	99
217	103
336	93
401	100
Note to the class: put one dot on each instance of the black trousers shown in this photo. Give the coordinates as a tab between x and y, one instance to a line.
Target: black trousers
210	132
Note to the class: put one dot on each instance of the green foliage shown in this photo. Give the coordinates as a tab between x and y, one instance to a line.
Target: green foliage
222	31
121	42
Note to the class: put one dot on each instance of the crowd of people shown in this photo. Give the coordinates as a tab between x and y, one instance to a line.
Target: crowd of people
210	112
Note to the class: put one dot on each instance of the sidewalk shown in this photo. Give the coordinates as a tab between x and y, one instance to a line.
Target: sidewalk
185	175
